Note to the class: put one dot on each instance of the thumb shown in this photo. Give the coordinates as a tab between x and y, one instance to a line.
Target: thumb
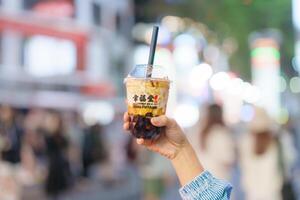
161	121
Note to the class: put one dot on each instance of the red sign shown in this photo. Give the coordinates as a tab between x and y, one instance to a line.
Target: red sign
55	8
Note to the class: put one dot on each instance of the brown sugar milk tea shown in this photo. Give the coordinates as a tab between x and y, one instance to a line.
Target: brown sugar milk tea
146	98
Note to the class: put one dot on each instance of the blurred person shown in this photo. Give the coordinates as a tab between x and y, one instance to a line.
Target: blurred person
33	133
75	131
115	141
216	144
287	153
152	169
259	160
130	170
172	144
293	127
10	135
29	172
9	187
59	175
131	149
93	149
75	126
35	140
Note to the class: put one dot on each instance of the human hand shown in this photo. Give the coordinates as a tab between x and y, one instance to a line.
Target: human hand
169	143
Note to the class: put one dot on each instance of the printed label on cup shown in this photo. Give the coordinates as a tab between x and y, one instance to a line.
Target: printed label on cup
147	96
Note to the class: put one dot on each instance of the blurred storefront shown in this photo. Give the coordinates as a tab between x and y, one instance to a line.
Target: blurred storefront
63	53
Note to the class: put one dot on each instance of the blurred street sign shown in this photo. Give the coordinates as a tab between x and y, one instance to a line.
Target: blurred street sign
265	61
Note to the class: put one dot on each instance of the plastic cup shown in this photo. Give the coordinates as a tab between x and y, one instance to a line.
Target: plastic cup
146	98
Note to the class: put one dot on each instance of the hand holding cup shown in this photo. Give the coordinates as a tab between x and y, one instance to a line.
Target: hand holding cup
169	143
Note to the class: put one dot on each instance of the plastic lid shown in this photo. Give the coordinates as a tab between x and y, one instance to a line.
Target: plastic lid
140	71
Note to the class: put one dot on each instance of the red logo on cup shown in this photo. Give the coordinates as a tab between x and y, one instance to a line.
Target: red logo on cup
156	99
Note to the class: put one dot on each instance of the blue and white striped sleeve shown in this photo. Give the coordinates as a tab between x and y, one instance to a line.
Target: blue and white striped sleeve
206	187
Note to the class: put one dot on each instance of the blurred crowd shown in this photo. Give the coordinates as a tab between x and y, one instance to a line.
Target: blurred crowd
45	153
260	158
49	154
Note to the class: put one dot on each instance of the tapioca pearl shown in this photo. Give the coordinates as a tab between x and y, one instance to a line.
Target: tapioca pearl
135	118
149	114
131	125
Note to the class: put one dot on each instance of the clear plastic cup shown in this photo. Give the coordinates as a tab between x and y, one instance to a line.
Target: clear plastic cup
146	98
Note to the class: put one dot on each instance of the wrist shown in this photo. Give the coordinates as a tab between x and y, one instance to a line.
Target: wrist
185	152
186	164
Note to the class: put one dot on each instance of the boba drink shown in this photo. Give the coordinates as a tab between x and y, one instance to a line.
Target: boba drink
146	98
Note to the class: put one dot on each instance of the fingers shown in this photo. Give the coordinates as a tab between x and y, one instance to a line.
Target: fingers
149	144
126	126
126	117
126	121
161	121
144	142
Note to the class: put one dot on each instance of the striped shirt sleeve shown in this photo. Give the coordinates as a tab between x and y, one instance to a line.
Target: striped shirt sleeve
206	187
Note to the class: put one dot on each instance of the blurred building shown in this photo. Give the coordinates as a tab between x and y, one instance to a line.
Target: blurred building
296	20
265	61
60	53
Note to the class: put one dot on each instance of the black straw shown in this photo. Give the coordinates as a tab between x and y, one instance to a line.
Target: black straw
152	51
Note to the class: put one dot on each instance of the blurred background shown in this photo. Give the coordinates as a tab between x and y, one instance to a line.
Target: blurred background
235	90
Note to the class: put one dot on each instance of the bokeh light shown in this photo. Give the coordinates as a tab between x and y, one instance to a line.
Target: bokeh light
98	112
251	94
219	81
282	83
199	75
48	56
140	54
247	113
211	53
185	40
235	86
283	117
187	114
164	36
295	84
173	23
139	31
185	56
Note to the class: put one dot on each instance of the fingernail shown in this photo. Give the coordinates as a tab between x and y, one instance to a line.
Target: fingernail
154	120
139	141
